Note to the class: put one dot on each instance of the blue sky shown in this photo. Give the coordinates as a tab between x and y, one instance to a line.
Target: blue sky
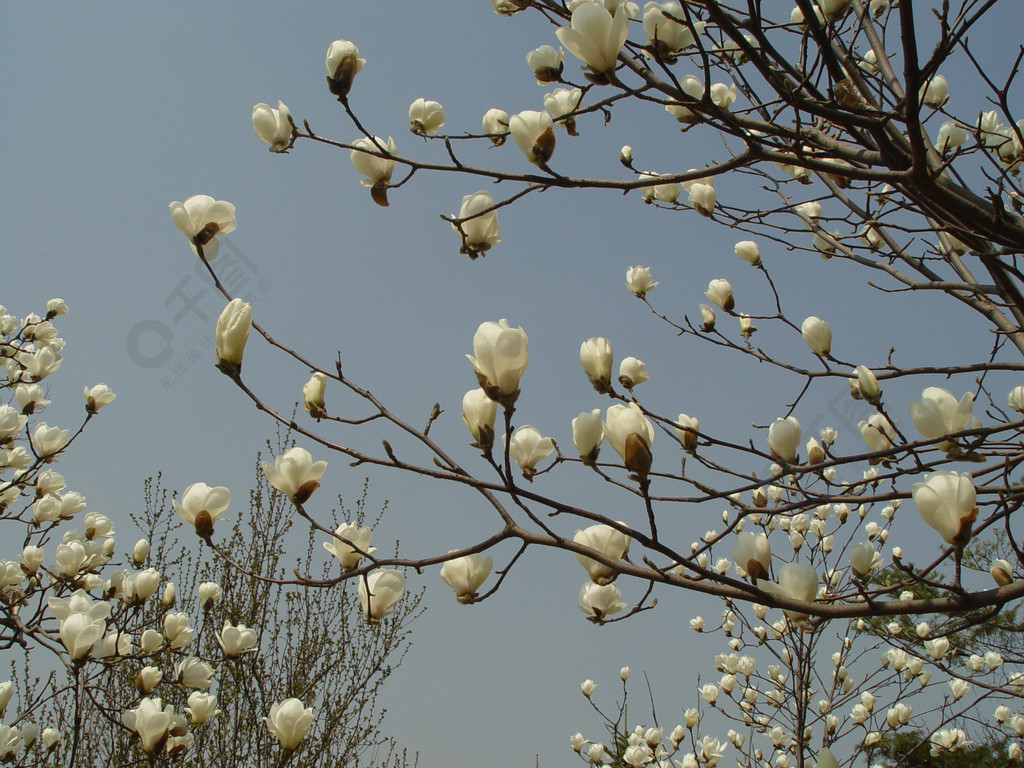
114	110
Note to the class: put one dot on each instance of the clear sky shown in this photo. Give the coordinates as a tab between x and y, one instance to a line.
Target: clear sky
112	110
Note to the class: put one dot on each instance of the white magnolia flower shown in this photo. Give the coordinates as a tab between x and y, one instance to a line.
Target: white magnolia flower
477	228
596	36
817	335
784	438
350	542
527	447
377	167
631	434
201	505
289	721
796	581
425	116
639	281
947	502
343	63
379	593
547	63
610	542
295	474
939	413
231	333
201	218
274	126
499	358
466	574
534	134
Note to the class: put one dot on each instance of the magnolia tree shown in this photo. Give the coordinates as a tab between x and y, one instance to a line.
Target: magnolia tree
837	116
156	655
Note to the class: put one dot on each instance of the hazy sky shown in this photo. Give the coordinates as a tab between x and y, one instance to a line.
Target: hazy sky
113	110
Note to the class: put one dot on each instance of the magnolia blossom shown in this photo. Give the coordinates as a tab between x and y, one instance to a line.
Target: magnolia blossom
687	431
295	474
753	554
947	501
878	432
425	116
379	593
935	93
495	125
596	36
938	413
587	435
864	559
610	542
499	359
192	672
631	434
465	575
702	198
639	281
534	134
1002	572
154	723
48	441
817	334
720	292
562	102
478	413
1015	400
313	395
867	385
664	193
231	334
784	438
599	601
632	372
478	226
201	218
97	396
274	126
343	63
950	136
796	581
236	639
350	543
748	251
289	721
596	359
209	593
82	621
375	167
547	63
201	707
666	30
201	505
527	447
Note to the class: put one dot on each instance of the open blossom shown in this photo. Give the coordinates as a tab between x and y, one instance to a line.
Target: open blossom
600	600
379	593
289	721
201	707
499	358
82	621
561	102
201	505
201	218
477	228
864	559
939	413
192	672
234	640
343	63
274	126
877	431
527	447
631	434
231	334
666	30
48	441
610	542
935	93
154	723
534	133
374	167
639	281
97	396
425	116
295	474
596	36
350	542
664	193
947	502
465	575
